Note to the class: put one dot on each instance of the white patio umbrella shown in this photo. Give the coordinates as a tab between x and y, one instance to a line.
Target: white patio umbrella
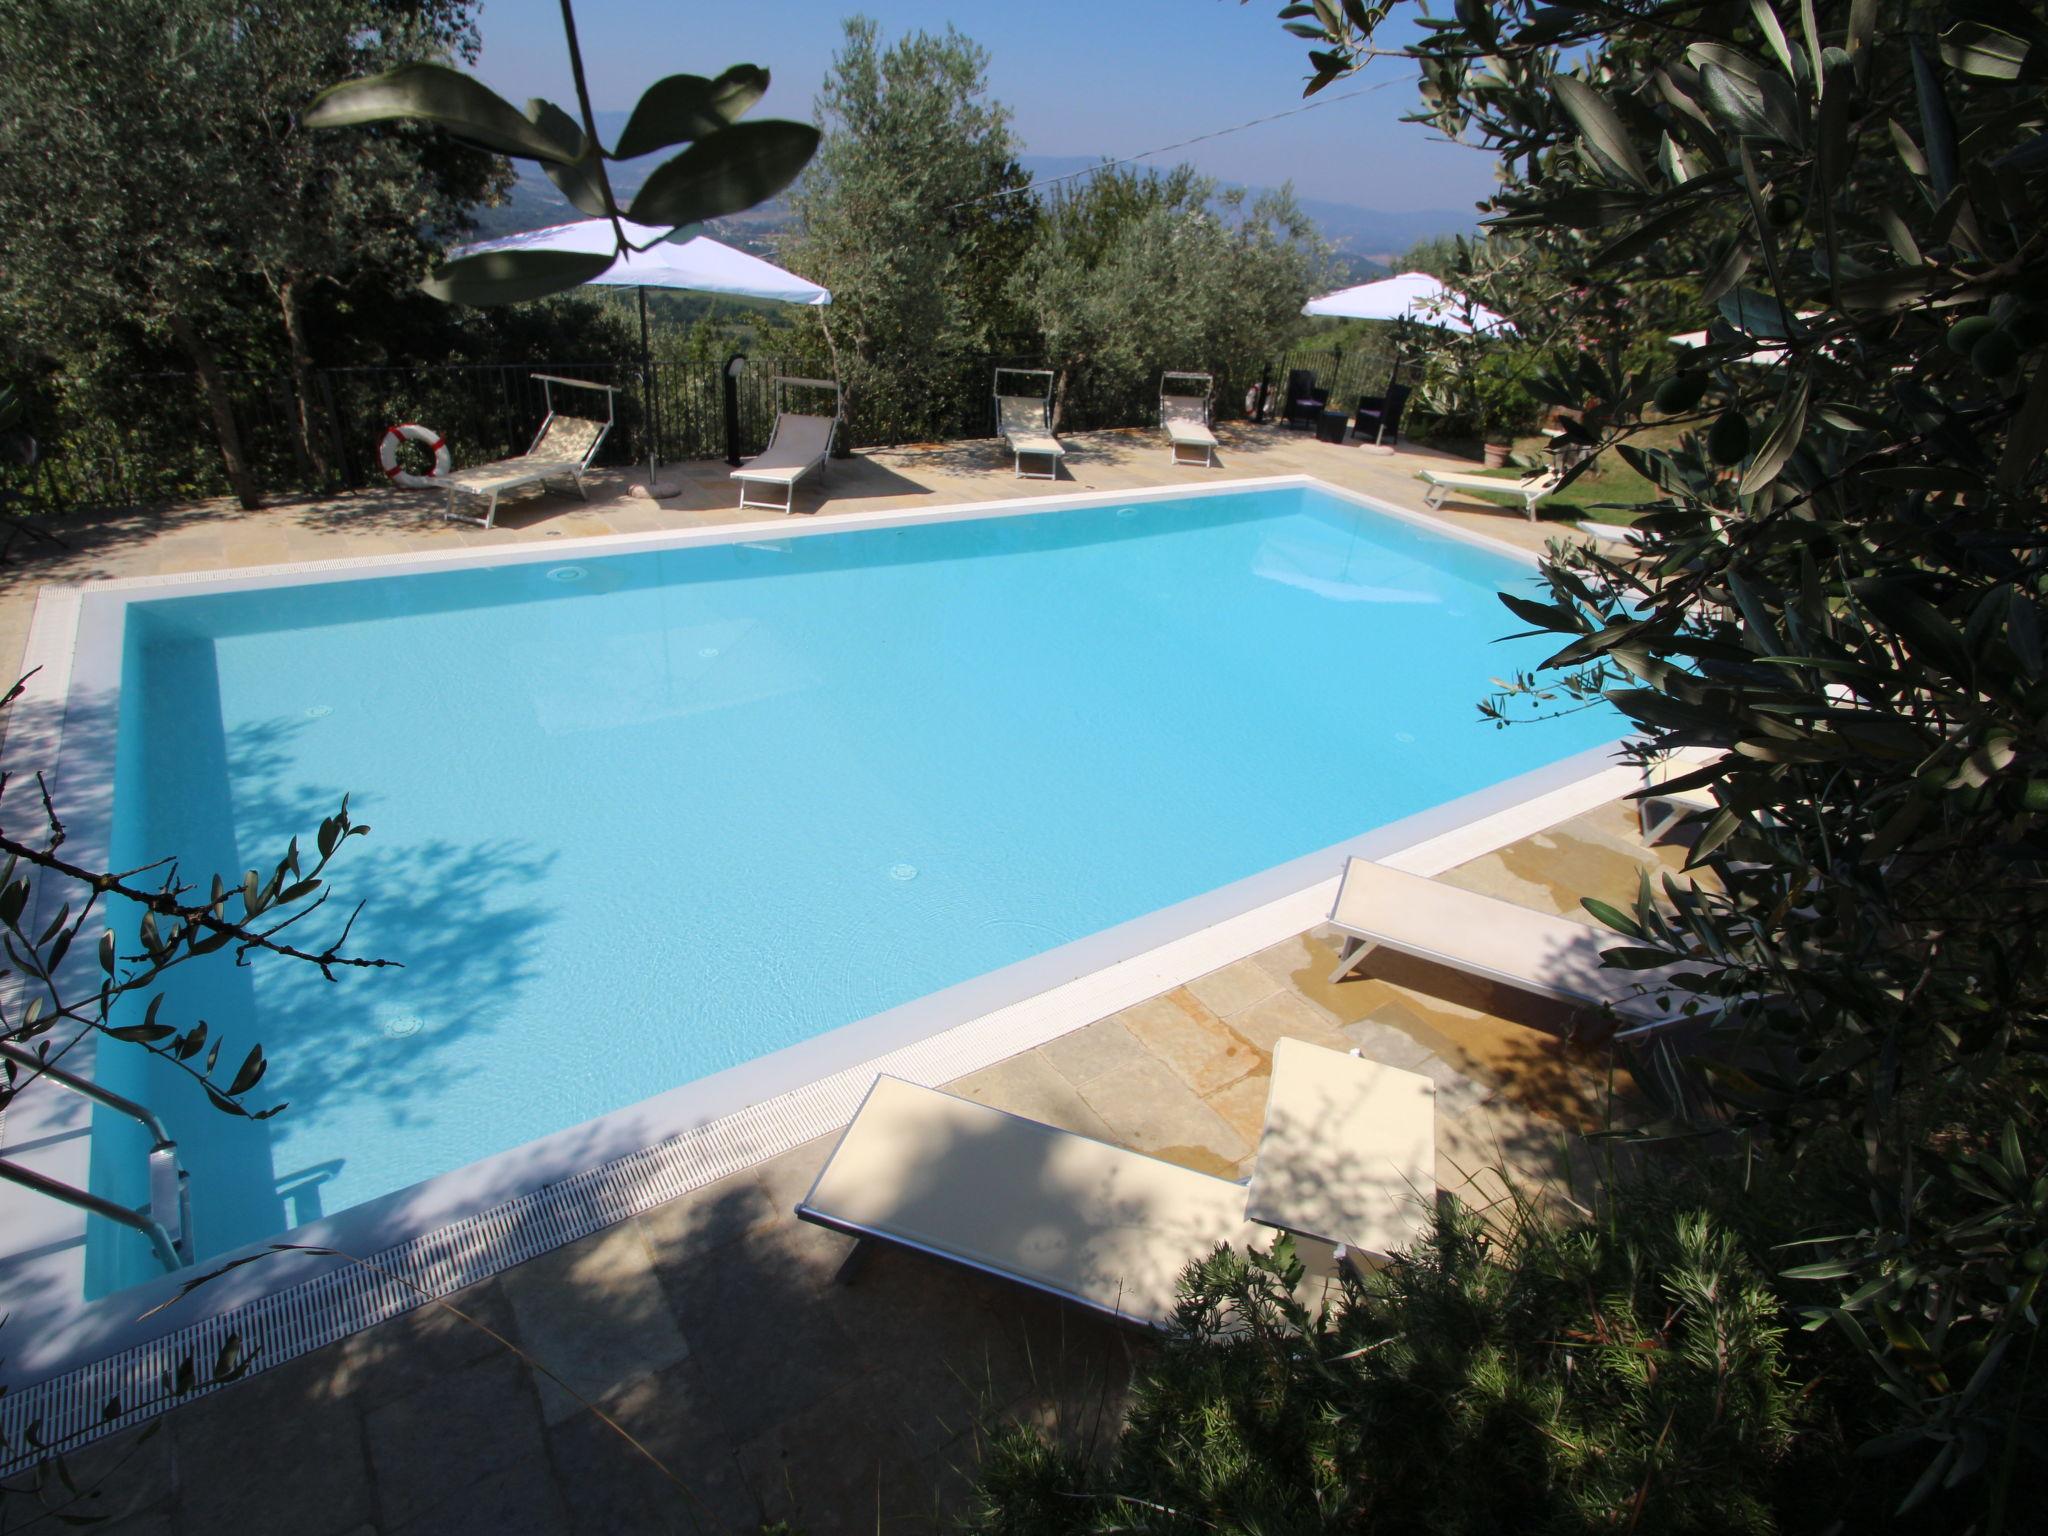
1768	357
699	265
1409	296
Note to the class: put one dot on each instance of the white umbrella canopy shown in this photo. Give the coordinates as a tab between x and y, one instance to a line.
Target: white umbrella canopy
699	265
1409	296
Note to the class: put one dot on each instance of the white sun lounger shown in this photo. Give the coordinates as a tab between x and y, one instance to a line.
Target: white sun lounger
1378	907
1061	1213
1184	413
1531	489
1024	422
562	450
1348	1153
797	445
1347	1158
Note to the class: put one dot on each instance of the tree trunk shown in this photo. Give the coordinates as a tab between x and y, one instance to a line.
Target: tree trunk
213	386
312	425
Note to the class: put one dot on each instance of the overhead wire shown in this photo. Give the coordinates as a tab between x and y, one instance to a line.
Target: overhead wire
1164	149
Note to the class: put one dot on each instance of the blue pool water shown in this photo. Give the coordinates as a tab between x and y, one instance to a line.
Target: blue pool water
641	818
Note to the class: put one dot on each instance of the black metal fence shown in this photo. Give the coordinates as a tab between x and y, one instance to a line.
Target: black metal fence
152	441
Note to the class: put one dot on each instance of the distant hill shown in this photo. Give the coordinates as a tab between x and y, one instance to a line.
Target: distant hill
1373	234
1367	239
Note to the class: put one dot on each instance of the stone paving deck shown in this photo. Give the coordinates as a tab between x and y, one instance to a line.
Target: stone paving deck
712	1329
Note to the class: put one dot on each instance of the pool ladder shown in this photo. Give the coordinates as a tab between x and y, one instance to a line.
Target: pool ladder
167	1219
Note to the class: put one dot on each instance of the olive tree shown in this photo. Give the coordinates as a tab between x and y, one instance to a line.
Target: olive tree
1133	272
909	215
162	189
1840	597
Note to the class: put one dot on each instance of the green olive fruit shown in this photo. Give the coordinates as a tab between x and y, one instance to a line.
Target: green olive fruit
1965	334
1728	437
2035	796
1995	355
1785	208
2036	1262
1681	392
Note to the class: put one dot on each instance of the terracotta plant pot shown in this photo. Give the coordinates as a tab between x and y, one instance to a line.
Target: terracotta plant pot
1497	455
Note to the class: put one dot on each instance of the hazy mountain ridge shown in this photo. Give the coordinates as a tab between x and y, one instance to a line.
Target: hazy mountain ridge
1365	238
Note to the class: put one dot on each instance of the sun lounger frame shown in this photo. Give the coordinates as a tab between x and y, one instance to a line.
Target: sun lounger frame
1182	430
1531	488
1464	931
504	475
1040	444
751	474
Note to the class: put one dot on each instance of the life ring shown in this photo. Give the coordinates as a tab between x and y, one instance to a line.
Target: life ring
387	454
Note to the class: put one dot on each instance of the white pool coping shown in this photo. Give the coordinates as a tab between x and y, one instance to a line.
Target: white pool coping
65	1358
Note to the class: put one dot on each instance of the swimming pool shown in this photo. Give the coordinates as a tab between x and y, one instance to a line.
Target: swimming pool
643	818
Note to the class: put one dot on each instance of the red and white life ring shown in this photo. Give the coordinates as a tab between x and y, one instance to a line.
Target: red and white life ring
387	454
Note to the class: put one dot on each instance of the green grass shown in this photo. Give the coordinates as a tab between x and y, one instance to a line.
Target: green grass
1609	480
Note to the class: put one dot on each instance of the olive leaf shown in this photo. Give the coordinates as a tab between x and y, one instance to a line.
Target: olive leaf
579	180
732	170
1758	314
445	98
681	108
1756	103
1780	441
1601	128
1985	51
506	277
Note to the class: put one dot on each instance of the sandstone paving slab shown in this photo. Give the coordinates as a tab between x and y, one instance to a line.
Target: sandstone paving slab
945	1344
765	1339
1150	1109
787	1177
235	1473
1284	960
595	1314
1084	1054
1242	1105
1235	986
516	1498
832	1467
706	1219
1285	1015
126	1479
419	1347
1379	1039
449	1434
609	1486
1182	1031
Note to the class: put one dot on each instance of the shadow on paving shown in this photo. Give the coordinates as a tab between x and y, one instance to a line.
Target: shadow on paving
711	1332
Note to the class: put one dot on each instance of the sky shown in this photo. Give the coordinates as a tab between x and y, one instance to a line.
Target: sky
1081	77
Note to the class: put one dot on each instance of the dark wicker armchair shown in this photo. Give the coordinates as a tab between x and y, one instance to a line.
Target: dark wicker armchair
1304	402
1380	415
